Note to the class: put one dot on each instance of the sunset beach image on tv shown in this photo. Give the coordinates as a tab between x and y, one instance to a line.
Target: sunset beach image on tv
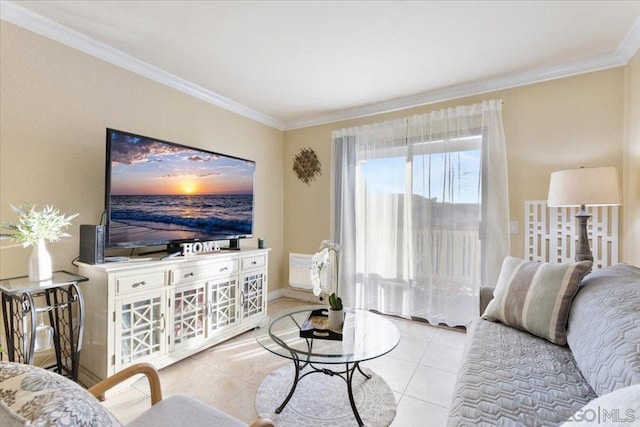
160	192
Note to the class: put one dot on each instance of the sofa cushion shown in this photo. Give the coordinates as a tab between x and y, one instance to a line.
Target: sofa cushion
46	398
604	328
536	296
510	377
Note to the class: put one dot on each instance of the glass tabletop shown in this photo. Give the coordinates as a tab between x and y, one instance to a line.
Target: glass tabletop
19	285
365	336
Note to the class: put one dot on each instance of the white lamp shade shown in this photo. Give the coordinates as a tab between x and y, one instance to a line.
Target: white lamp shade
584	186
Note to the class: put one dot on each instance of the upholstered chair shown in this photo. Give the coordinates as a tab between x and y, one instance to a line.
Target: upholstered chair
32	395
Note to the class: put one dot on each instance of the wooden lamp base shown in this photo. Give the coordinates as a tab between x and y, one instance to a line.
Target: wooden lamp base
584	252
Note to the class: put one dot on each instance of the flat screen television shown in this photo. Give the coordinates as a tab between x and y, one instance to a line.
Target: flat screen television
163	193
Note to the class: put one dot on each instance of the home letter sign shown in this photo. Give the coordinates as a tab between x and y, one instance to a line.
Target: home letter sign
199	247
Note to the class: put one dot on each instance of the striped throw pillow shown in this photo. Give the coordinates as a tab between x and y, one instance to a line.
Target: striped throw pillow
536	296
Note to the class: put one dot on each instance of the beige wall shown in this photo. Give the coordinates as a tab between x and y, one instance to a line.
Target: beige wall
55	104
561	124
631	174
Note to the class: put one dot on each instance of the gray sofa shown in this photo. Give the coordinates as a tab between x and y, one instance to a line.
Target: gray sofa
509	377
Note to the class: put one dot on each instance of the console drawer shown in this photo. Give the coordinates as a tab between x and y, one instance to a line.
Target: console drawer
139	282
201	271
253	262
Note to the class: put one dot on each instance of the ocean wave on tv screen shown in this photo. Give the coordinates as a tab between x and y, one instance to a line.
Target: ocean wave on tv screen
212	214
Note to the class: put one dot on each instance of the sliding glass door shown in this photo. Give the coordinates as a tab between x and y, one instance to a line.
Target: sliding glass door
421	221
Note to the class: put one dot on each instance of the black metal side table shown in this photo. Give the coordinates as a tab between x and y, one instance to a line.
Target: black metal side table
65	306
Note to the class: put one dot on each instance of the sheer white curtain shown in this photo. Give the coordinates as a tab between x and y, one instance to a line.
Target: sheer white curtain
421	212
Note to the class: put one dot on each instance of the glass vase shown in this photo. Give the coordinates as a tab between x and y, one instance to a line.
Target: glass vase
44	335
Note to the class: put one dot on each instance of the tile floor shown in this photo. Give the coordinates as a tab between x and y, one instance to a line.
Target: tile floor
421	371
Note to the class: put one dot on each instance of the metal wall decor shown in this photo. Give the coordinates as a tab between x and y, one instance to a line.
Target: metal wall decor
306	165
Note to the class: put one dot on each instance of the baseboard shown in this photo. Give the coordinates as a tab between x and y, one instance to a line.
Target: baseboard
306	296
301	295
272	295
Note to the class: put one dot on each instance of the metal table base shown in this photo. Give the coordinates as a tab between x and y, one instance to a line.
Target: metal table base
364	336
65	309
346	375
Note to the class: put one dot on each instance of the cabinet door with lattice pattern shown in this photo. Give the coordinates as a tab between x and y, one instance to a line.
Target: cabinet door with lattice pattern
140	328
189	314
222	304
253	298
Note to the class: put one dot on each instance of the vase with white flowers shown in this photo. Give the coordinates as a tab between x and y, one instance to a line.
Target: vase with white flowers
319	263
34	227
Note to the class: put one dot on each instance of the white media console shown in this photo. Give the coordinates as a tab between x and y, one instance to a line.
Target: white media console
161	311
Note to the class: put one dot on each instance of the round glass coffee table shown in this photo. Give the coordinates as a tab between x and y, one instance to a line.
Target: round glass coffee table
365	336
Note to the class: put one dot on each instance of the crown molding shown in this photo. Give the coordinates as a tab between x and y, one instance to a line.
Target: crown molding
469	89
631	43
627	48
29	20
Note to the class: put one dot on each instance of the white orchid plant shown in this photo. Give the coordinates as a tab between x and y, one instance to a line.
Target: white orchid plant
34	225
319	262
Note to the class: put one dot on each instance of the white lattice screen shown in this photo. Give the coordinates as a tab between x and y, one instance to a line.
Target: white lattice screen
551	234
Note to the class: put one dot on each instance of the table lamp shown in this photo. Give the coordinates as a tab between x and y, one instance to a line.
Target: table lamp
584	187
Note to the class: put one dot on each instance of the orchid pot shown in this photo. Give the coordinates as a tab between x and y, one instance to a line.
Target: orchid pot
336	312
336	319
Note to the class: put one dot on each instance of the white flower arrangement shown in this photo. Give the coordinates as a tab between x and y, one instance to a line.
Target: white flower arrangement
34	225
319	262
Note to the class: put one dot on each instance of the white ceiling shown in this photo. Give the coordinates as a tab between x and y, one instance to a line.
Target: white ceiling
296	63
